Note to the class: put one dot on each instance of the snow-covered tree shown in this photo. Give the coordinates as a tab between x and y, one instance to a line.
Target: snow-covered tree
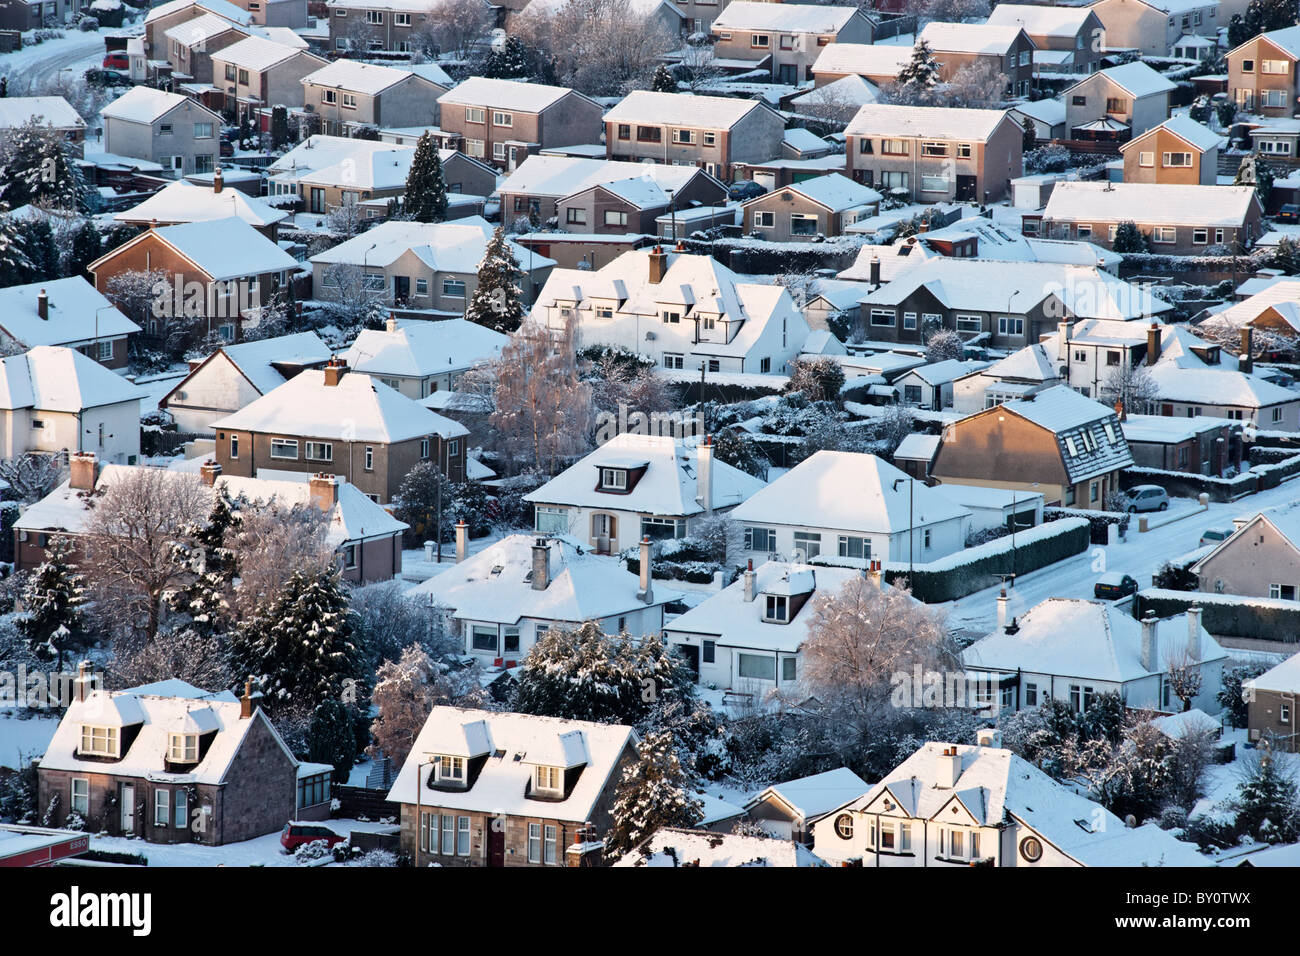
653	793
944	344
819	379
423	502
1184	674
331	737
205	554
279	127
1129	238
349	300
1266	802
497	302
917	80
513	61
426	188
31	476
40	168
274	540
175	653
976	85
1131	385
405	693
87	245
662	81
52	622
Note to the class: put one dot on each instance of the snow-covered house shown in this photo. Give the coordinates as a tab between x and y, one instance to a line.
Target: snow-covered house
1179	150
877	63
1270	705
849	508
1262	73
165	128
1071	33
1071	650
348	95
68	312
170	763
958	805
190	46
636	486
788	811
1152	27
674	847
1004	49
53	112
1022	372
235	375
931	386
680	310
821	206
1260	559
786	37
504	121
258	72
1117	103
418	357
747	637
484	788
184	201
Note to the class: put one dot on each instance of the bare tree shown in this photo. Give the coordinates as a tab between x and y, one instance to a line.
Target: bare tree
140	293
1263	340
698	67
1183	669
947	11
273	540
1133	386
833	107
406	691
31	476
349	300
173	654
976	85
617	381
457	26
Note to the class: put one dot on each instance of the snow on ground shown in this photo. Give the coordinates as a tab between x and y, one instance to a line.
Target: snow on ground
24	734
31	67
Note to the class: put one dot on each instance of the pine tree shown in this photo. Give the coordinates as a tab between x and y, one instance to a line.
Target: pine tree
13	260
205	599
1029	139
1267	801
331	739
497	301
37	238
279	127
1286	256
662	81
86	248
53	597
426	189
300	648
513	61
919	77
1129	238
40	168
652	794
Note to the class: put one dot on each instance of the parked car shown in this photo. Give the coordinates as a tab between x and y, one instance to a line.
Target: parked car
1214	536
1146	498
226	149
1113	585
295	835
744	189
116	61
103	78
1290	212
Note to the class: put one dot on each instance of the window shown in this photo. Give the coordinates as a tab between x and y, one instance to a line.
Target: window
1200	236
925	539
663	529
548	779
1115	104
756	666
672	318
1282	592
319	451
1284	713
80	801
162	810
760	539
912	394
1031	695
809	542
1247	66
853	546
421	286
234	446
374	16
1010	325
1146	159
453	288
710	138
549	849
329	96
934	184
181	813
38	423
965	151
934	149
498	150
1078	101
909	320
685	136
202	130
802	224
575	217
649	134
99	741
165	129
462	836
883	317
349	101
787	42
1275	67
183	748
615	478
776	608
502	119
312	791
1167	234
864	146
615	217
969	323
1177	159
230	72
956	843
1080	698
760	40
673	360
893	147
894	179
534	843
401	19
764	219
451	768
475	114
474	148
551	520
1277	414
484	638
284	448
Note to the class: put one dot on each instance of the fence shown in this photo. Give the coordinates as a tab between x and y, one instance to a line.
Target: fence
358	802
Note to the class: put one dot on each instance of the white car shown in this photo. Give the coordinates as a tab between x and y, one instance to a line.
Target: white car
1146	498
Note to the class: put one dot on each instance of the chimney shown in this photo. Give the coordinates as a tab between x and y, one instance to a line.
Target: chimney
391	324
1150	653
680	247
1002	608
85	682
658	265
1153	343
704	476
246	702
541	565
334	371
645	591
1120	411
1067	330
462	541
217	180
324	491
1194	633
43	305
1013	627
989	737
1245	361
749	581
875	271
82	466
209	472
948	768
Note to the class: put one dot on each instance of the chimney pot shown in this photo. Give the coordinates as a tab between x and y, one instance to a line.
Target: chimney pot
875	271
217	180
334	372
324	491
209	472
43	305
1246	361
541	579
1153	343
391	324
750	578
658	265
462	541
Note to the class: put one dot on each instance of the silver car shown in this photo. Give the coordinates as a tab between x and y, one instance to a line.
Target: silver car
1147	498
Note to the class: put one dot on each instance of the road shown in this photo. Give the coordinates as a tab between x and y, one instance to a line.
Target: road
1141	555
30	68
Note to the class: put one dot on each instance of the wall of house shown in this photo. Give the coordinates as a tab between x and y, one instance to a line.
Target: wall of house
571	121
1265	719
145	141
1203	171
111	431
1250	563
214	391
463	176
983	450
1248	89
1184	244
1129	23
785	204
379	559
260	794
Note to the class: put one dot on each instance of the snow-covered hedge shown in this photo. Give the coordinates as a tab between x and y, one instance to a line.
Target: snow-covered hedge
1098	521
1227	615
1181	484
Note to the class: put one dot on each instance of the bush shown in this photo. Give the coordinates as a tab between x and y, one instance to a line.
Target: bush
1047	159
1175	576
1099	522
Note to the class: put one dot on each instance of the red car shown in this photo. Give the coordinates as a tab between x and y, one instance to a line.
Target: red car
295	835
117	61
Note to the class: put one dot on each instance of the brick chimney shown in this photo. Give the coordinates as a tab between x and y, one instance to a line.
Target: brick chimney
246	702
749	577
645	590
1153	343
462	541
1149	654
875	271
658	265
1120	411
43	305
335	369
324	491
82	466
704	475
1246	361
541	565
209	471
217	180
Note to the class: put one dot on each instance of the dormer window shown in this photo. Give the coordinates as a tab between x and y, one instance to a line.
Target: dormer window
99	741
777	608
451	769
613	478
183	748
548	781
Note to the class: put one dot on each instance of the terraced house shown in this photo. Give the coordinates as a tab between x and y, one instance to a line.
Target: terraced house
347	95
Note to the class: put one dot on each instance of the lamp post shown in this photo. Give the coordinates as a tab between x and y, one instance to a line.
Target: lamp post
419	815
1015	520
911	524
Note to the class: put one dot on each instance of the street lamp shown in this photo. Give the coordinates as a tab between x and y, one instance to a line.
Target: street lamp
1015	520
911	524
419	816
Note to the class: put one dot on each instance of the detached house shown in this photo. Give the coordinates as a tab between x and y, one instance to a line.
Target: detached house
1118	103
1005	50
1271	705
53	112
483	788
787	36
1066	39
68	312
1263	74
821	206
165	128
1260	559
505	121
1153	27
418	358
257	73
325	172
347	95
935	154
714	132
1179	151
165	16
1067	448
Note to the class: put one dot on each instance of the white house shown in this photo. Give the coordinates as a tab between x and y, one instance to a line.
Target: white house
636	486
931	386
787	811
849	507
674	847
69	312
419	357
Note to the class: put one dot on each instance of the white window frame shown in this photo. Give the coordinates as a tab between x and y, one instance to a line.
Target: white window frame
283	443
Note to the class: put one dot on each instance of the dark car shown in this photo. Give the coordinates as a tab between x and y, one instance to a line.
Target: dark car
1113	586
1289	213
103	78
227	149
745	189
295	835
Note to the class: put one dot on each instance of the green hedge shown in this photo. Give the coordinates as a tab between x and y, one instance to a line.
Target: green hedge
1099	521
1227	615
694	572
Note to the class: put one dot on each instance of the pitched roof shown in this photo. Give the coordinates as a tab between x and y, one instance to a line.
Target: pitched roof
562	176
223	248
981	38
48	378
1136	78
419	348
1040	21
54	110
257	53
875	59
1185	128
1070	417
223	8
675	846
1161	203
834	191
77	311
456	246
505	94
815	796
783	17
369	79
848	91
682	109
257	361
202	29
939	122
184	201
1285	677
1287	40
143	104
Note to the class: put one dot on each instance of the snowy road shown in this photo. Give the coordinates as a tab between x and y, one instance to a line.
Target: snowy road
30	68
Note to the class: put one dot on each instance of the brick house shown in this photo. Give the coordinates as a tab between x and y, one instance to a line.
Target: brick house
1263	73
170	763
1004	49
484	788
935	154
1271	705
1179	150
821	206
788	36
1195	446
375	24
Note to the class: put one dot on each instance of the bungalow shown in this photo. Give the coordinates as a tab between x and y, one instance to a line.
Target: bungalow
1179	151
184	201
877	63
325	172
1025	370
789	810
53	112
1117	103
1075	32
822	206
931	386
66	312
787	36
1196	446
1260	559
1152	27
419	357
1263	74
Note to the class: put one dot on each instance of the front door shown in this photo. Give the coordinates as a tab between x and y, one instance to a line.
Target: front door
604	532
401	289
128	809
966	189
317	200
496	847
692	656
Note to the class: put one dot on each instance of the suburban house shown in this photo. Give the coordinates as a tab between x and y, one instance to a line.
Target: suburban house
1047	117
343	422
170	763
389	26
348	95
952	805
484	788
786	36
505	121
419	357
848	508
746	639
1025	370
238	374
276	14
599	196
163	17
1179	151
1262	73
422	266
257	73
325	172
190	46
1271	704
787	811
184	201
1005	50
677	847
56	400
877	63
222	271
1117	103
1195	446
638	486
68	312
1071	650
1178	220
1066	39
821	206
1152	27
915	455
1260	559
1268	307
683	311
53	112
1066	447
166	128
935	153
715	132
931	386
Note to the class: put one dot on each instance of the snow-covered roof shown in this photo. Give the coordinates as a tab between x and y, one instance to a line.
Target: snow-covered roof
358	163
783	17
1164	429
936	122
1060	409
1194	721
1033	363
457	246
979	38
501	783
504	94
1213	386
561	176
815	796
49	378
917	446
224	248
1048	110
1085	639
833	191
1185	128
867	59
259	361
1035	20
847	91
1002	243
894	260
184	201
848	491
223	8
949	370
1287	40
78	313
369	79
674	846
1283	678
201	29
257	53
682	109
144	104
54	110
419	348
1135	78
359	408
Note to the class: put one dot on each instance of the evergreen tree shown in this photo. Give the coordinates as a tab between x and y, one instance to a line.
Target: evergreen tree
300	648
514	61
86	248
651	795
4	86
40	168
662	81
1255	171
423	499
1129	238
1029	139
53	597
497	301
279	127
330	738
919	77
37	238
1286	256
13	259
206	598
1266	800
426	189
